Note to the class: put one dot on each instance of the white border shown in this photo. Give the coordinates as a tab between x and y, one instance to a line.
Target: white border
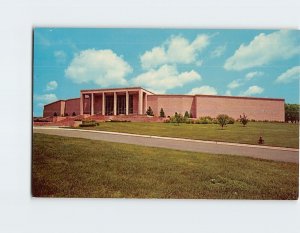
21	213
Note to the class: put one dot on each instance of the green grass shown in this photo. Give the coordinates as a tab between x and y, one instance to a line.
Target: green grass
71	167
274	134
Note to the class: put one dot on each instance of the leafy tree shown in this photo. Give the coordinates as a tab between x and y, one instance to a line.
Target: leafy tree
292	113
243	119
150	112
223	119
177	118
186	114
162	113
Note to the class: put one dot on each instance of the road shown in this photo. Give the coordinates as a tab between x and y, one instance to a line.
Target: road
254	151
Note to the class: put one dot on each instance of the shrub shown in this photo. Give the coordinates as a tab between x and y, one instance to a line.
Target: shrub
205	120
73	114
66	114
55	114
89	123
243	119
162	113
223	119
177	118
186	114
149	112
231	120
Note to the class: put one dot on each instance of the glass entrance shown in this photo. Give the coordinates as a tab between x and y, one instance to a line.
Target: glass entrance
109	105
121	104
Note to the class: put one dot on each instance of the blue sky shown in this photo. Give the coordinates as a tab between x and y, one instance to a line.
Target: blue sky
259	63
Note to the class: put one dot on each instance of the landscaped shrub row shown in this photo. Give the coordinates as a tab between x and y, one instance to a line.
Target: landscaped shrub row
202	120
89	123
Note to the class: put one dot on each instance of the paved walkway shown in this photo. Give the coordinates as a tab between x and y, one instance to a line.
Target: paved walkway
255	151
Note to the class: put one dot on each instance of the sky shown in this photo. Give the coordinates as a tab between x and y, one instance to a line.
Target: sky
258	63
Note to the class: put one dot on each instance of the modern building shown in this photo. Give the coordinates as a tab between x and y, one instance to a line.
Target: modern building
136	100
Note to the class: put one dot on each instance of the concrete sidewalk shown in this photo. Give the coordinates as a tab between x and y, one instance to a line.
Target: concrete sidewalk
254	151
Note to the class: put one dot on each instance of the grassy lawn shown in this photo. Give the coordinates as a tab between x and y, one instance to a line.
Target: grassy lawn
274	134
71	167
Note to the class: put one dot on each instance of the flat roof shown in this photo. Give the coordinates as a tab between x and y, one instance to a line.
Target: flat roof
241	97
222	96
119	88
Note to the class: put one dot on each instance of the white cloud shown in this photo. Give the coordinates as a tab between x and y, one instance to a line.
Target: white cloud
60	56
204	90
234	84
218	51
177	49
289	76
46	98
228	92
101	67
52	85
165	78
265	48
254	74
253	90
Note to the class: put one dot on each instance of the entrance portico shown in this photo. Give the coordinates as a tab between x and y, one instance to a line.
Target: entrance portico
119	101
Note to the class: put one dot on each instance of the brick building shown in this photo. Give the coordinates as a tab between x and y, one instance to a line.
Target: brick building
136	100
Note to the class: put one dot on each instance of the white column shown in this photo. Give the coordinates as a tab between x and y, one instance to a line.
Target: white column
103	103
140	103
145	103
81	104
92	104
115	103
127	102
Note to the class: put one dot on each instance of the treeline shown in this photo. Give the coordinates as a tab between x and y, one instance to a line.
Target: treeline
292	113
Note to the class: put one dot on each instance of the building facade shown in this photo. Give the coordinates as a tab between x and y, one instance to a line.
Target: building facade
136	100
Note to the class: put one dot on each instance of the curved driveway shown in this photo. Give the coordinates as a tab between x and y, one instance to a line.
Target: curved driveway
254	151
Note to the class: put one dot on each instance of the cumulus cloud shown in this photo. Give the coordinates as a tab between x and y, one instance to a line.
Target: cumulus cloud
228	93
165	78
253	90
218	51
52	85
254	74
289	76
234	84
177	49
265	48
101	67
46	98
60	56
204	90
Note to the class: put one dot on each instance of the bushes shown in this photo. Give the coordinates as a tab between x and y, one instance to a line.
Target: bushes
89	123
162	113
243	119
223	119
149	112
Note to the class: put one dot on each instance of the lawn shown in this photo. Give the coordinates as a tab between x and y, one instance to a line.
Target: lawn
73	167
274	134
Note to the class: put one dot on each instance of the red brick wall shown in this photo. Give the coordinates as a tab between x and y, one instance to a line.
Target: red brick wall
172	104
57	107
72	105
258	109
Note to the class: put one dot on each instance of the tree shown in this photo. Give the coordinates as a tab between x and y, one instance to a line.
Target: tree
150	112
223	119
243	119
292	113
186	114
162	113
